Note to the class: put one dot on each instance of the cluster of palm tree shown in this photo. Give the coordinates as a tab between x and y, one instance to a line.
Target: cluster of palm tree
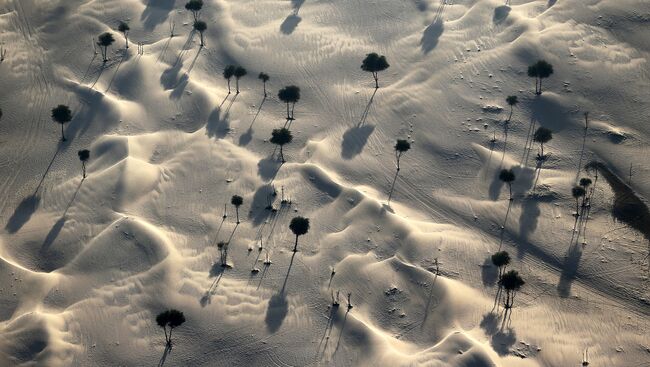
509	281
170	319
238	72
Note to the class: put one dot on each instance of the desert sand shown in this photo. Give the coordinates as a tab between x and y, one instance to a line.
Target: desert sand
87	264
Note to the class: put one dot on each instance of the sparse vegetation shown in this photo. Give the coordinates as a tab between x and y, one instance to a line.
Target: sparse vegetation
374	63
264	78
512	102
194	6
124	28
104	41
542	136
281	137
172	319
200	26
401	147
237	201
290	95
299	226
239	73
84	155
228	73
61	114
540	71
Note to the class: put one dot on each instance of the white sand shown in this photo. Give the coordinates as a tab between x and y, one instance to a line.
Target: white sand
86	266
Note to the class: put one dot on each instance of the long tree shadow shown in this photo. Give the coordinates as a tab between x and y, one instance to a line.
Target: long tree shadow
246	138
168	349
263	199
58	226
356	138
432	33
490	323
216	271
528	218
278	307
218	124
569	270
500	14
290	24
125	55
489	273
267	168
155	13
503	340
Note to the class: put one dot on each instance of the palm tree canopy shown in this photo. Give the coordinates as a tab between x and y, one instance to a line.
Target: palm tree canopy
543	135
239	72
61	114
229	71
585	182
105	39
221	244
123	27
162	319
506	175
402	145
299	226
281	136
374	63
511	281
544	69
84	155
176	318
577	191
501	258
532	71
289	94
236	200
512	100
264	77
200	26
194	5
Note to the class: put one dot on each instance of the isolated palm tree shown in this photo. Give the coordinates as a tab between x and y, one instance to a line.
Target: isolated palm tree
512	102
281	137
511	282
200	26
299	226
578	192
104	41
84	155
228	73
124	28
173	319
540	70
374	63
501	260
507	176
237	201
61	114
264	78
195	7
542	136
289	94
239	73
401	147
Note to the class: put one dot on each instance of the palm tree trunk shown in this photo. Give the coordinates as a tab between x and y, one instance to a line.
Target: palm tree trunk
170	335
228	85
237	85
542	145
166	337
374	75
201	39
237	211
126	37
105	53
540	86
264	83
288	115
510	189
295	246
577	208
510	117
281	155
293	106
83	169
397	158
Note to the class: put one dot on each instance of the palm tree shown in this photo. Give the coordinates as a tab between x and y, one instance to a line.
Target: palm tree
512	101
195	7
401	147
239	72
200	26
237	201
61	114
84	155
172	318
281	137
540	70
124	28
578	192
228	73
289	94
507	176
374	63
223	251
103	41
299	226
264	78
501	260
542	136
511	282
